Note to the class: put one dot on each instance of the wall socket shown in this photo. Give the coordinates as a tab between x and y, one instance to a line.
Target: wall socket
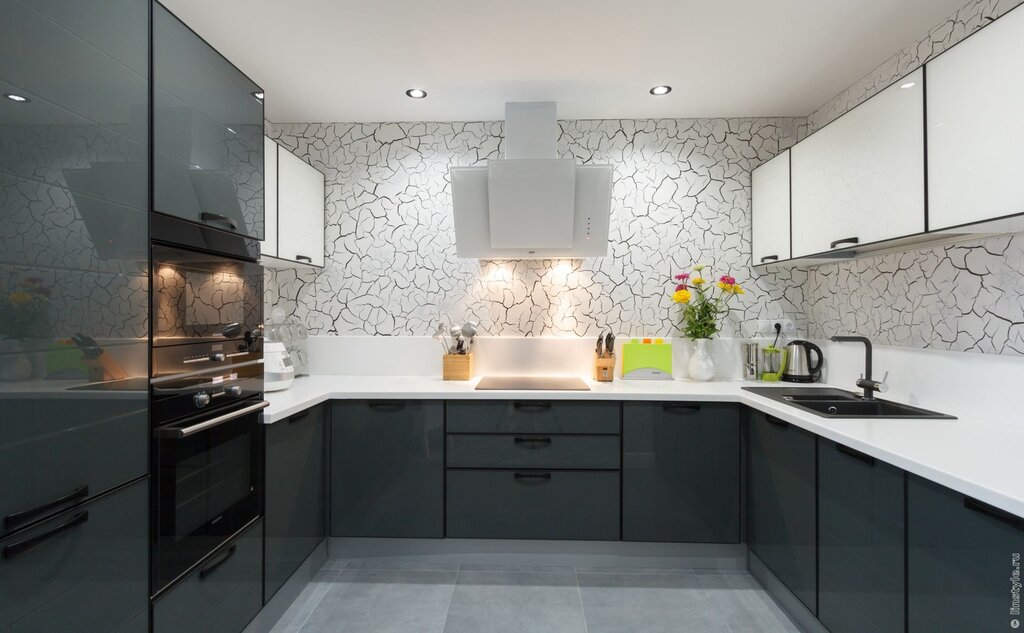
766	328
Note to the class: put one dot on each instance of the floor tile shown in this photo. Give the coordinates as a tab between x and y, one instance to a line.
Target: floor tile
745	605
407	563
295	617
656	603
637	571
336	563
384	601
516	602
567	569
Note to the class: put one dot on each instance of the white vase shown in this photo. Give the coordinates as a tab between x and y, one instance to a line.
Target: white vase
702	367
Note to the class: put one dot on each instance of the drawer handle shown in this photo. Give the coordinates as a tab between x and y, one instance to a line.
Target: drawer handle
782	424
676	407
212	567
850	241
769	258
846	450
217	218
995	513
532	477
17	549
298	417
387	405
15	519
536	406
533	442
304	258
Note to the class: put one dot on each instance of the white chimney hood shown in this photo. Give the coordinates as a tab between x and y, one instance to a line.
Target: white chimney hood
530	204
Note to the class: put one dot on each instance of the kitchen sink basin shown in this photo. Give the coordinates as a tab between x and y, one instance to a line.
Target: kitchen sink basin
836	403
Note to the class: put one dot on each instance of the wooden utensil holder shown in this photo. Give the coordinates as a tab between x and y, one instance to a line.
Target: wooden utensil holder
457	367
604	368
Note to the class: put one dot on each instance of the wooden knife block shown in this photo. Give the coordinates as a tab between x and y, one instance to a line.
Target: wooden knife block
457	367
604	368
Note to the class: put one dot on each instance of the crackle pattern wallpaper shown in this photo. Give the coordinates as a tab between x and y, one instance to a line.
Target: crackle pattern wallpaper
680	196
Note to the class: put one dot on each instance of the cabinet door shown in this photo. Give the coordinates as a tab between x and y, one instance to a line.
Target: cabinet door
860	179
269	245
207	133
387	468
781	504
975	97
680	472
294	494
769	201
963	557
860	542
300	210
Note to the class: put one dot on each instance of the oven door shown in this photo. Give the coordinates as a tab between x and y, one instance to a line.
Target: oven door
208	486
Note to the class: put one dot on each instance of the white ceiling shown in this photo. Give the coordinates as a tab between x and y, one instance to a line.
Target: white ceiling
347	60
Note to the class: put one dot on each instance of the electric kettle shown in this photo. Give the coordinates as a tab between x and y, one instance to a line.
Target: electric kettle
799	367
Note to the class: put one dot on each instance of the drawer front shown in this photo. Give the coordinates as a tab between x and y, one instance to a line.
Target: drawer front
87	571
533	504
75	433
533	451
223	595
533	416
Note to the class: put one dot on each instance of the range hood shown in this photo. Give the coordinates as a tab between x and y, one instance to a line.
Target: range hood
531	204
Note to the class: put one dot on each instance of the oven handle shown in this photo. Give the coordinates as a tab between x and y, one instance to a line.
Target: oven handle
209	424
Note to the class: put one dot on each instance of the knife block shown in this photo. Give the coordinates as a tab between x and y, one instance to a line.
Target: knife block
457	367
604	368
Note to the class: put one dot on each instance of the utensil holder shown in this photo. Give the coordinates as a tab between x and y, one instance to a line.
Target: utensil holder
604	368
457	367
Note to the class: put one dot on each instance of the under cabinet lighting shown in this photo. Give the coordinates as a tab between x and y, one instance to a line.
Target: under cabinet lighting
17	98
660	91
909	84
416	93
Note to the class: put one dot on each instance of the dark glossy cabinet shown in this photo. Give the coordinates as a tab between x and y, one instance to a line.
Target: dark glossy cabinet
860	542
533	416
222	595
387	468
781	503
962	556
85	570
295	493
207	133
681	472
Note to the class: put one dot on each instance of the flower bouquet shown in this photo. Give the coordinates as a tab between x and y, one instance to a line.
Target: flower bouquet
705	304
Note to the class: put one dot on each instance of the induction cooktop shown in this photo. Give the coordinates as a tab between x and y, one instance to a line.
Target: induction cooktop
532	383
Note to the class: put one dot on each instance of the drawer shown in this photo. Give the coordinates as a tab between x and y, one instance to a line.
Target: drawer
533	416
533	504
85	570
534	451
58	452
223	595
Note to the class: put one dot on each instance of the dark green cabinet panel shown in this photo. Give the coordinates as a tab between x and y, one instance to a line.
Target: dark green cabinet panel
85	570
962	557
533	451
681	472
533	416
860	542
295	493
387	468
781	504
222	595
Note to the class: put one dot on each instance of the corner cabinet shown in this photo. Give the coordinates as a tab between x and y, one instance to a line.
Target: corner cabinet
295	213
770	196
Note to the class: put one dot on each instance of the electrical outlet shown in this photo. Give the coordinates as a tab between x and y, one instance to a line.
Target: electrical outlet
766	327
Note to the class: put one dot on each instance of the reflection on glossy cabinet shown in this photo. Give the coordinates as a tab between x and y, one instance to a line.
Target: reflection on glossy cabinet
769	193
782	504
387	468
680	472
860	542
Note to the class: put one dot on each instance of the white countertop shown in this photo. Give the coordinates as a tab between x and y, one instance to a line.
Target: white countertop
974	457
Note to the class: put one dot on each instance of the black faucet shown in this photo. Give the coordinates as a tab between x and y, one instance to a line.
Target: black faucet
865	382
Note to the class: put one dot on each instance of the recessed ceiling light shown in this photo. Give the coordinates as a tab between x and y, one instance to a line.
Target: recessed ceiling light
909	84
18	98
416	93
258	94
659	91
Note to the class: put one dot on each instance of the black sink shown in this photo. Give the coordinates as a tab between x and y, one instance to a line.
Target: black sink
836	403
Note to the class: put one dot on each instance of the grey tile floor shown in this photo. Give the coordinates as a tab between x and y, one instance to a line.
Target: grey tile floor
395	597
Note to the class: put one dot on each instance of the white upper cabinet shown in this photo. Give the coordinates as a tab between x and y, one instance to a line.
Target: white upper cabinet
269	246
975	127
300	208
860	179
769	186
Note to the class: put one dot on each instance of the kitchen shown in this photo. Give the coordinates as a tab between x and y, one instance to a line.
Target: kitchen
606	335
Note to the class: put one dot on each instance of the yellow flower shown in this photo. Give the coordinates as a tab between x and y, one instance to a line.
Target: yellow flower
698	281
699	267
724	286
19	298
681	296
737	290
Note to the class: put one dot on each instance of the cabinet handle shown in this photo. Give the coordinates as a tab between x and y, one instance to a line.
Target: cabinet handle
304	258
216	218
533	442
298	417
212	567
386	405
852	241
17	549
782	424
15	519
676	407
766	258
846	450
995	513
537	406
537	477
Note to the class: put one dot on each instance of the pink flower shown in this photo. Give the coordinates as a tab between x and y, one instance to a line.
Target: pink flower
680	287
683	277
726	279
